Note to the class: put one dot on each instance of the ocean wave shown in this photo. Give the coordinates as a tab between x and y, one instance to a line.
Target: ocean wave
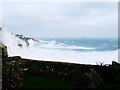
55	45
19	47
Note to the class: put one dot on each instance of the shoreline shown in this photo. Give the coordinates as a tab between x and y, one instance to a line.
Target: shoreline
50	61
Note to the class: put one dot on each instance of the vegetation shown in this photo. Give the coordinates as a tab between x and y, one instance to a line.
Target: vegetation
12	74
46	82
25	73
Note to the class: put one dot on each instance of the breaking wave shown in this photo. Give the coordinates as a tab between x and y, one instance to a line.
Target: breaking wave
52	50
54	45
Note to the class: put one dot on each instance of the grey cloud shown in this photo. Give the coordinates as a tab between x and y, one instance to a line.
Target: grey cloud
48	20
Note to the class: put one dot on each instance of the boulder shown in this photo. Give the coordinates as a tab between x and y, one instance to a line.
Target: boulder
3	51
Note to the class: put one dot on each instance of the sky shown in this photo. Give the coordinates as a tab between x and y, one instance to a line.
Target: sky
61	19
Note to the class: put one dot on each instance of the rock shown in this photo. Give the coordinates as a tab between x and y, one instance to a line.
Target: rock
3	51
20	45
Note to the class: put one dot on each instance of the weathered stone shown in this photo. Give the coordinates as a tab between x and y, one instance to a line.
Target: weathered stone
3	51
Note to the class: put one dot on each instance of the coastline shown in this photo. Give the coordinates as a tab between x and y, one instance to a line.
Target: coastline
53	50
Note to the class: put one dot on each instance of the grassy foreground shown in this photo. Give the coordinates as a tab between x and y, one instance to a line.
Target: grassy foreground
25	73
46	82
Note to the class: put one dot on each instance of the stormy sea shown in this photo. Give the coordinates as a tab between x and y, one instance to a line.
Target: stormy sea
73	50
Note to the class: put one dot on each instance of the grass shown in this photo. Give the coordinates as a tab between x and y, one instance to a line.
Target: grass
46	82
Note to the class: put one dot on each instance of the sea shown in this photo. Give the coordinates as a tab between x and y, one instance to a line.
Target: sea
80	44
71	50
80	50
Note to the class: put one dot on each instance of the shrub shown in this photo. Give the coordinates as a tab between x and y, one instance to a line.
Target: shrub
115	72
12	74
92	79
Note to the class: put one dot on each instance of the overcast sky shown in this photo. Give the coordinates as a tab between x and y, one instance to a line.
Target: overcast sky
61	20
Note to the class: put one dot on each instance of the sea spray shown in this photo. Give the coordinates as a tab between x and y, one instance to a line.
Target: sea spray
12	42
53	50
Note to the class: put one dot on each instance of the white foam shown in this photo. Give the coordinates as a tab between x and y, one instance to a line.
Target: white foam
53	44
12	42
40	53
73	57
